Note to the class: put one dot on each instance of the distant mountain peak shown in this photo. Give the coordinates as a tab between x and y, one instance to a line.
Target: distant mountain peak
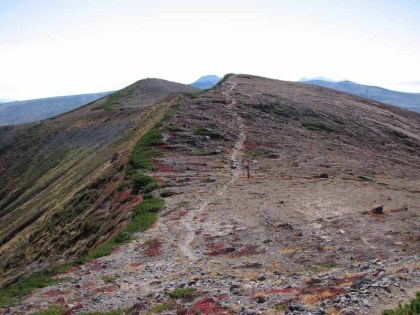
206	82
317	79
402	99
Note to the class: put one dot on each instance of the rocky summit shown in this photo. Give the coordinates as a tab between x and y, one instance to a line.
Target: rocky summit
270	197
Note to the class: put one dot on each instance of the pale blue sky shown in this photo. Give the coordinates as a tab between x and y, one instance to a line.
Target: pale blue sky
59	47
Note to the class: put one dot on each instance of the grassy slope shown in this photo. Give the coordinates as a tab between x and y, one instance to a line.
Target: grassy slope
58	179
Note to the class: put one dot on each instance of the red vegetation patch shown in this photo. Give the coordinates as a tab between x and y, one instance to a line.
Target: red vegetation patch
179	215
219	248
88	285
223	297
125	201
236	238
153	247
208	306
161	167
124	196
54	293
405	208
135	264
247	250
216	246
221	251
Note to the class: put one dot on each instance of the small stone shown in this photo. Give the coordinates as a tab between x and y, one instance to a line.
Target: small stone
347	311
323	175
366	303
386	288
272	155
378	210
261	277
261	299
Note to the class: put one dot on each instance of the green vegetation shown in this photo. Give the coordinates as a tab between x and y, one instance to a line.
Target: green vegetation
16	292
121	186
205	132
143	216
52	310
182	293
280	307
315	125
329	264
144	150
175	128
411	308
159	308
114	98
109	278
193	94
279	110
143	182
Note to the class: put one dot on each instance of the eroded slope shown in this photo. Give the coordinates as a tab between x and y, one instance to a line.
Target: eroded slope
58	178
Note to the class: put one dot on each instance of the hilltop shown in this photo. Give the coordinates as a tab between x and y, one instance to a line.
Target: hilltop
325	222
206	82
20	112
410	101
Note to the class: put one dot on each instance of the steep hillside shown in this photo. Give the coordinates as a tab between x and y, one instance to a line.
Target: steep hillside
326	222
410	101
20	112
58	178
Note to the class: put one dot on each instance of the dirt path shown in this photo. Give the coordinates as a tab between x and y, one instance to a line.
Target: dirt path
191	227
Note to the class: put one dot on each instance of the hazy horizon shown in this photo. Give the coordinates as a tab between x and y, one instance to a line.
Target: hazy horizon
63	48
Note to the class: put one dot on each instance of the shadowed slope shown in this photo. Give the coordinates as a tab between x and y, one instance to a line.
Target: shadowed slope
58	177
20	112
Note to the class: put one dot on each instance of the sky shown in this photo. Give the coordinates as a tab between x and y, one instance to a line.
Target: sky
63	47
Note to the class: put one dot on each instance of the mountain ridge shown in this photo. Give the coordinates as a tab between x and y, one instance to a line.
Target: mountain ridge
28	111
401	99
64	158
331	196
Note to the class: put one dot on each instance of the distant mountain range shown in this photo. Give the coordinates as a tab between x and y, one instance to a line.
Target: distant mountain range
20	112
410	101
3	100
206	82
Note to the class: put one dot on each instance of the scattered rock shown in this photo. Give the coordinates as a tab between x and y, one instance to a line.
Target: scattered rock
262	277
365	178
272	155
377	210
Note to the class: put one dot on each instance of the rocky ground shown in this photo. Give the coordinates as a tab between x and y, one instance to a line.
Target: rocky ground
326	223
